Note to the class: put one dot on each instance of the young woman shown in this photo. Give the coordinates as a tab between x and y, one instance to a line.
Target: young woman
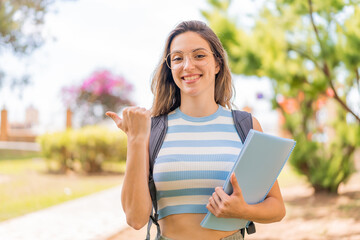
192	85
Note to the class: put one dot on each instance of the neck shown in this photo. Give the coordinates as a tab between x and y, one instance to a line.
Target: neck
198	107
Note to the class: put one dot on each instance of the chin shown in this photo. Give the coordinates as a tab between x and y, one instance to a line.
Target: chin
191	93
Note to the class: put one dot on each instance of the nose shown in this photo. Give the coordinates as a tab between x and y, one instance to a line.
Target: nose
188	63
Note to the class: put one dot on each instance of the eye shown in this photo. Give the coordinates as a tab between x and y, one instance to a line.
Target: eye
176	58
199	56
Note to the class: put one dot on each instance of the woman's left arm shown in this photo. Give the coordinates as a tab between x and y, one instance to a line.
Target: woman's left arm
272	209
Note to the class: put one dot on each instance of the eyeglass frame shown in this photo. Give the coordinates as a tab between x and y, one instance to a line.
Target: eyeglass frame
197	49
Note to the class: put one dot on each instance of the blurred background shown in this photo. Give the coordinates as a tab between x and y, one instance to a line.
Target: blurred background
64	63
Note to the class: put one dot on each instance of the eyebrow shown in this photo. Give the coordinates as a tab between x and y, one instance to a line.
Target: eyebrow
194	50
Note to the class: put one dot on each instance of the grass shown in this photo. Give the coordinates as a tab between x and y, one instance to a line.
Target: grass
14	154
26	186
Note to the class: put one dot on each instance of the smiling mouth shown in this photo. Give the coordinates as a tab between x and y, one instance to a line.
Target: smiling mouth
190	79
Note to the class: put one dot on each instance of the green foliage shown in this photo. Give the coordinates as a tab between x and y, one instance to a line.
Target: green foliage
15	16
20	30
326	164
307	50
85	149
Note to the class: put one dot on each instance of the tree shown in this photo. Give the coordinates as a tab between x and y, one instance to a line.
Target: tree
308	51
101	92
20	29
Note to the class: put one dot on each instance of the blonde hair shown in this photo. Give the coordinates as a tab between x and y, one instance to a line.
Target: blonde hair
167	94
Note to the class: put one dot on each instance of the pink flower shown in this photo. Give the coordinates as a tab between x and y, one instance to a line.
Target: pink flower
101	87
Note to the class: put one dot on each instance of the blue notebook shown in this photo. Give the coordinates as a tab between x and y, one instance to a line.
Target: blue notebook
259	164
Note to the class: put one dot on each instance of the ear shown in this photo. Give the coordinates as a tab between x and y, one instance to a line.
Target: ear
217	68
217	65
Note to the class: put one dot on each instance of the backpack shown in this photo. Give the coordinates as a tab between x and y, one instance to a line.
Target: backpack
243	124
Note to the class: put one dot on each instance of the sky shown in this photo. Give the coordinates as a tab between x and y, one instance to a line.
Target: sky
125	37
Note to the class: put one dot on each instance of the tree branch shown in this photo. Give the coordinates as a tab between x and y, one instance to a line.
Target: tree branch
306	55
357	78
313	24
336	96
325	68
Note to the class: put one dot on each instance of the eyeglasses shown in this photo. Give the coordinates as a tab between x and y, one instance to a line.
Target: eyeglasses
199	57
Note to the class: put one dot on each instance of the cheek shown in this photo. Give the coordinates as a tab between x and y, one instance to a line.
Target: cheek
177	83
173	73
175	76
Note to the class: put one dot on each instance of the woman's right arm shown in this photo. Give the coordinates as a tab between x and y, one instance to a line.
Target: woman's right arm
135	195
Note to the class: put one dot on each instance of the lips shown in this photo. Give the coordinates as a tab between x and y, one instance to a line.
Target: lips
191	78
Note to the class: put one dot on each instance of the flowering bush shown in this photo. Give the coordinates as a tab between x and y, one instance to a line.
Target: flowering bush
101	92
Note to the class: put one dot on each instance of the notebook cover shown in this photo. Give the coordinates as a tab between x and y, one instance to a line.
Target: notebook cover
259	164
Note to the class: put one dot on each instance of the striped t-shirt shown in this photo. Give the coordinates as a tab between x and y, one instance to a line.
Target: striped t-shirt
195	157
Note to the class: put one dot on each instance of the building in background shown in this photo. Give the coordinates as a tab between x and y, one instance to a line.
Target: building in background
20	131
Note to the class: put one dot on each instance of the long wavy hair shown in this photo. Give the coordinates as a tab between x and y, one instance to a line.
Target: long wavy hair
167	94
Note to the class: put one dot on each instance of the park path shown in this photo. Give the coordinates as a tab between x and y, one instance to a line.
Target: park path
24	146
94	217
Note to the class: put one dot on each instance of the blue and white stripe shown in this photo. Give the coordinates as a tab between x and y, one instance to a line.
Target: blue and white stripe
196	156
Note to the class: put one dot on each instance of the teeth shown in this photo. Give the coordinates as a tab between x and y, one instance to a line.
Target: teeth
191	78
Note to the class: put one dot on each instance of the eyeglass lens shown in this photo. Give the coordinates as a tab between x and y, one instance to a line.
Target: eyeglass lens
198	57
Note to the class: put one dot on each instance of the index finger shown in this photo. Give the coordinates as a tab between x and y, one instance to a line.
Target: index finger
220	192
115	118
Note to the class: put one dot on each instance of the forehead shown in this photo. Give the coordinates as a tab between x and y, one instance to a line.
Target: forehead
188	41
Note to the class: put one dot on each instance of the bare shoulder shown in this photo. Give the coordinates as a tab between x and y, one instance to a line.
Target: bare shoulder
256	124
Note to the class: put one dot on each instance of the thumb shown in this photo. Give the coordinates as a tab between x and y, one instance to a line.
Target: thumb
115	118
235	184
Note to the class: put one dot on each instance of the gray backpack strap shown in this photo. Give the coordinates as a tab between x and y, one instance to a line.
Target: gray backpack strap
243	124
157	136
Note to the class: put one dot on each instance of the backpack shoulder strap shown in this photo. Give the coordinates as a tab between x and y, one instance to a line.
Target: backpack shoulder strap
157	135
243	124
